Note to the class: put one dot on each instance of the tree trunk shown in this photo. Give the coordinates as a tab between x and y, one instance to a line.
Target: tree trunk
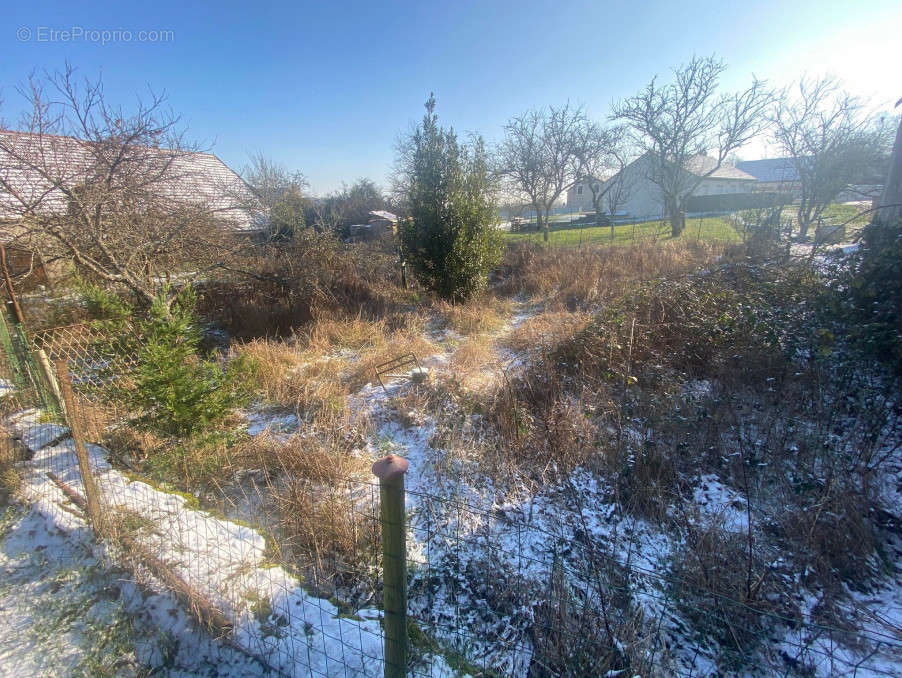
804	216
892	190
538	210
677	222
545	226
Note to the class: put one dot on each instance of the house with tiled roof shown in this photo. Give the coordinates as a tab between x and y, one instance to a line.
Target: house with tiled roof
772	174
33	168
642	197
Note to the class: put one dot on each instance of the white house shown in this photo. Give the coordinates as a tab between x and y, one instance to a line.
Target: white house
641	197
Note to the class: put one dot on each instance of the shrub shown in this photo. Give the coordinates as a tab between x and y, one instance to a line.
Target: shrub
180	391
278	288
726	593
872	287
450	240
102	304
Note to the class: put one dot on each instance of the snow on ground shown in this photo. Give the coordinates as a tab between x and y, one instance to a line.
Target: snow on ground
273	616
64	611
478	532
468	540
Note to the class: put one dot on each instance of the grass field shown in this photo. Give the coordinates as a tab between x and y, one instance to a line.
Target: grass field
708	228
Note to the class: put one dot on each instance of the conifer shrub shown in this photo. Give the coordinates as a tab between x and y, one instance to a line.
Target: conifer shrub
450	238
180	390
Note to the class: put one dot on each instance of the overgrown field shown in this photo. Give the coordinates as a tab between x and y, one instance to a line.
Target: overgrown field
669	457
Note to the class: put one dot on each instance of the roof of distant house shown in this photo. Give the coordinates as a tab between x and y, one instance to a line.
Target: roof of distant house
194	177
381	214
770	170
701	164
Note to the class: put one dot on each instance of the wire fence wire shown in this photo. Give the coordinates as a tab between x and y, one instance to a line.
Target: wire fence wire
283	560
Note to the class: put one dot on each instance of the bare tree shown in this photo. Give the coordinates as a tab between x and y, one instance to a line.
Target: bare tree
119	194
540	155
830	140
604	153
687	117
280	195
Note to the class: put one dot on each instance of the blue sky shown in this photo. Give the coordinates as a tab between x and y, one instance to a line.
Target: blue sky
327	87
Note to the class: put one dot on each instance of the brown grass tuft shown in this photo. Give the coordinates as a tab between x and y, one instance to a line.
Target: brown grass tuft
584	278
485	314
544	331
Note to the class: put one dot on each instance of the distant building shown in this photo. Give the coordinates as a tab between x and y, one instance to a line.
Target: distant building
35	187
777	175
642	199
190	178
579	196
380	222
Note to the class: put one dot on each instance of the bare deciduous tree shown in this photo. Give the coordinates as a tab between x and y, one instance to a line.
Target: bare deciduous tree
830	140
677	121
280	195
540	155
604	153
120	194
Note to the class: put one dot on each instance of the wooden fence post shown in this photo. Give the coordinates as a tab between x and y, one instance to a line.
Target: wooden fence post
390	471
87	479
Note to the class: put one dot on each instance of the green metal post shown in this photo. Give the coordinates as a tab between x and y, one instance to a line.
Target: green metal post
19	373
390	471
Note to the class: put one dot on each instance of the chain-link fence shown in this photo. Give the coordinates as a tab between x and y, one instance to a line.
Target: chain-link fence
304	564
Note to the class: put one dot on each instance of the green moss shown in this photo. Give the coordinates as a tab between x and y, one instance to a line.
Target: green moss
423	643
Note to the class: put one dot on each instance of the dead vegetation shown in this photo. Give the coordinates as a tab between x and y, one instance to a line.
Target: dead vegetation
647	367
586	277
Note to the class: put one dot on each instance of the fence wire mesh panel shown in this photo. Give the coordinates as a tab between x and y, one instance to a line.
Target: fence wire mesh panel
278	565
279	552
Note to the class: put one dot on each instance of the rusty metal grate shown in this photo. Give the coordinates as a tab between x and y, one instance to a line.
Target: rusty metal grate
392	369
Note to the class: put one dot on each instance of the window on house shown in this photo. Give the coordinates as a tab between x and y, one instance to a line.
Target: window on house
579	190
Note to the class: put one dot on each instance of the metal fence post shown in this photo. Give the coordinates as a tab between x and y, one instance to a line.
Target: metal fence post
17	369
390	471
91	494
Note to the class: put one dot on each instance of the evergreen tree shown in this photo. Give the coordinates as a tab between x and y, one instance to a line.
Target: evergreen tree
180	390
450	239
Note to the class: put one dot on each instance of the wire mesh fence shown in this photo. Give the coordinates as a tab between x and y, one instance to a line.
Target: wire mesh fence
285	557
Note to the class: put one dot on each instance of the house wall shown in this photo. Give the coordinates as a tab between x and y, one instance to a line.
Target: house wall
713	186
579	197
644	200
643	197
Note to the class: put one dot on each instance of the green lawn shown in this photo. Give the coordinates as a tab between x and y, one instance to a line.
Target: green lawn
709	228
839	214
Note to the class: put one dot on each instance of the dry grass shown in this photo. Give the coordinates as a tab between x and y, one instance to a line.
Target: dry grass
474	365
9	477
273	362
477	316
305	458
544	331
363	370
332	360
587	277
356	334
325	525
727	592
